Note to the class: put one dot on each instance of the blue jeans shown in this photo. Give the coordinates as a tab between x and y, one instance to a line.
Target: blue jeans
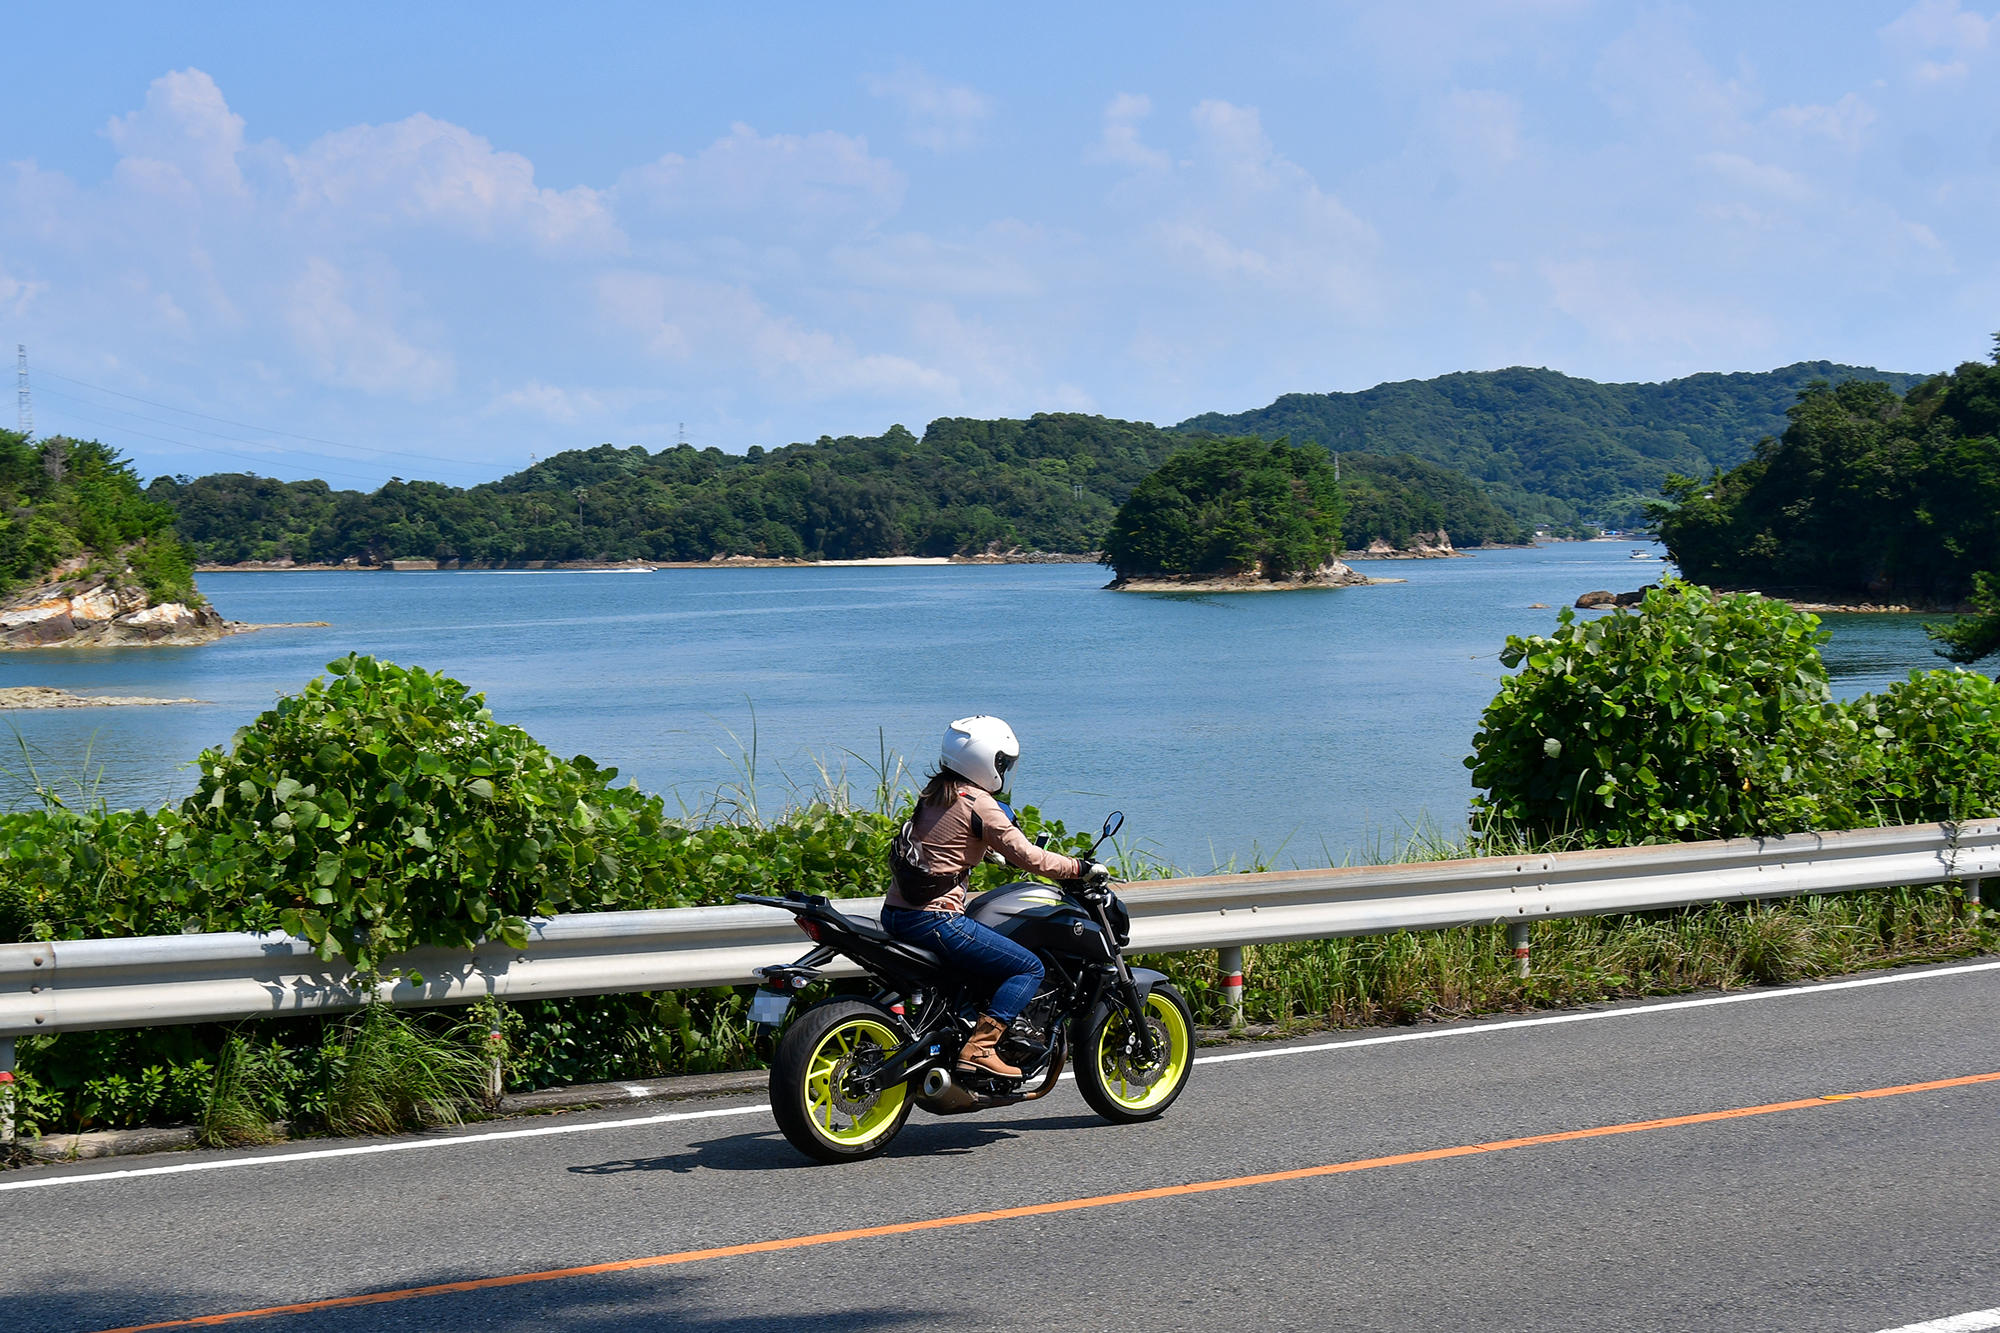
977	949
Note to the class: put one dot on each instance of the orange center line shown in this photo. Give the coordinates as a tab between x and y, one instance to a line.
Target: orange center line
1059	1206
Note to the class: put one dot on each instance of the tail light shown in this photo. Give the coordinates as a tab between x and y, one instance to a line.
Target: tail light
809	926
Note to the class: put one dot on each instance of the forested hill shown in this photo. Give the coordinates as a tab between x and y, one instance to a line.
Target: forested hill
1865	494
72	510
1553	449
1048	483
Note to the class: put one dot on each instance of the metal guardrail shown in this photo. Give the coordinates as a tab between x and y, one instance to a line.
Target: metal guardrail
80	985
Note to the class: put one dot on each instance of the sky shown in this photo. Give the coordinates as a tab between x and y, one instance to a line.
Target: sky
439	240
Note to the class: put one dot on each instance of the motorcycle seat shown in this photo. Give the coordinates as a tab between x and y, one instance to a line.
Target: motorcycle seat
869	930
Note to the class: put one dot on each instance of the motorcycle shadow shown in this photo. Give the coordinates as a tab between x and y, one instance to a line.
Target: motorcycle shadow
766	1150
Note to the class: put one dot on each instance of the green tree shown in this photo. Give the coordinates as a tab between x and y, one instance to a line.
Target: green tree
1230	507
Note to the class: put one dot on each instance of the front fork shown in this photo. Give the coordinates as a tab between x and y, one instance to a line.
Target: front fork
1139	1033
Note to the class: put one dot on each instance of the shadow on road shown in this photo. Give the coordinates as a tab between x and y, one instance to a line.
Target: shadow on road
610	1303
766	1150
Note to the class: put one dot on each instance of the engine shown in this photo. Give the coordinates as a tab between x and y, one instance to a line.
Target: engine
1027	1039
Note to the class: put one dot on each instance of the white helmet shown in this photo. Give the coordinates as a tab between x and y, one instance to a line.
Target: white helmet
980	750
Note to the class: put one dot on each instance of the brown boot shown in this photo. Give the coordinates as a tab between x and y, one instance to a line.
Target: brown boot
977	1054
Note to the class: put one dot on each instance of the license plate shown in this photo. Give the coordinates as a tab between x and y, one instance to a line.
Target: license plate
770	1007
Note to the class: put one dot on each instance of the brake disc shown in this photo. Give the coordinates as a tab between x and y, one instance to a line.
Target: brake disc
1127	1066
837	1090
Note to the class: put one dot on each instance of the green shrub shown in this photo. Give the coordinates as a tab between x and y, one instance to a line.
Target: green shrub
1940	738
164	568
384	809
1697	716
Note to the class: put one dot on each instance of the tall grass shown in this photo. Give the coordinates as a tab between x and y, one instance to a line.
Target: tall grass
393	1074
1408	976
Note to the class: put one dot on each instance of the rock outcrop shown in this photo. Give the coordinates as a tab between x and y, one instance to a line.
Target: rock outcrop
1332	574
1603	599
1422	546
73	609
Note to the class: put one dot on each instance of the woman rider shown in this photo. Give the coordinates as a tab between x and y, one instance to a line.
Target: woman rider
957	822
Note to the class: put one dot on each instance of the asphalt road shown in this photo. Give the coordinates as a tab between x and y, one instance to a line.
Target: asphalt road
1833	1214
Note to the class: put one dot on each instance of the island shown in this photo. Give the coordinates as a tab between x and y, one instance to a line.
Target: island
1232	515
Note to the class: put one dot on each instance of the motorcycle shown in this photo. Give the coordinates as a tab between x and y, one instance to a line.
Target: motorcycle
847	1072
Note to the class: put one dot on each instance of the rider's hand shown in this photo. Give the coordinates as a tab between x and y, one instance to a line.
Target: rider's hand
1095	872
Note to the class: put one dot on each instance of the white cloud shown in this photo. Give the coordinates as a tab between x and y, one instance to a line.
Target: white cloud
184	140
1431	39
17	295
1119	142
1845	123
1000	260
1623	303
1941	39
358	347
421	169
806	176
1481	128
689	319
942	117
1758	177
1249	214
551	402
1655	74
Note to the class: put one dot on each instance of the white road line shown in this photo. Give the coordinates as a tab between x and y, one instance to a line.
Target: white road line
368	1149
1954	1323
1430	1034
1636	1011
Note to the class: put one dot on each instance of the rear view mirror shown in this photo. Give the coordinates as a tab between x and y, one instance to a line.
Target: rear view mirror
1112	823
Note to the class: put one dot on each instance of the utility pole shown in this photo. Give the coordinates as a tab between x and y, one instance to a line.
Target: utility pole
579	509
24	407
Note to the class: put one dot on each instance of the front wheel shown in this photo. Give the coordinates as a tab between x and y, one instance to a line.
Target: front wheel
1118	1082
813	1076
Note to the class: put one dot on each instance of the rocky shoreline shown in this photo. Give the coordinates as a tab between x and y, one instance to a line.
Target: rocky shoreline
1333	574
1423	546
590	566
77	606
42	696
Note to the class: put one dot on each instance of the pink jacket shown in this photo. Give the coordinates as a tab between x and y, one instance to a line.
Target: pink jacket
953	838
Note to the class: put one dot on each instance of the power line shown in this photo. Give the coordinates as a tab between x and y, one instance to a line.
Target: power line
209	448
243	425
196	430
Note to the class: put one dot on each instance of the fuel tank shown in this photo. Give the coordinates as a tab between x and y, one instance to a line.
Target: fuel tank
1039	917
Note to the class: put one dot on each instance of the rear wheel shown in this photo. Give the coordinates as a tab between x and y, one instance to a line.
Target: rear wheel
813	1082
1118	1081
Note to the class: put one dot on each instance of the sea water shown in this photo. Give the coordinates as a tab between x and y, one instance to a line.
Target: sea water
1293	728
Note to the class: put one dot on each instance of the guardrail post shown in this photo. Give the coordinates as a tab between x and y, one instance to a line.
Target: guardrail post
1230	961
496	1074
1974	897
1517	940
6	1090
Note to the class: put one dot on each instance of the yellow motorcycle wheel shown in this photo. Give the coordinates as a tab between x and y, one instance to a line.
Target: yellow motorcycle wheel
1119	1084
813	1074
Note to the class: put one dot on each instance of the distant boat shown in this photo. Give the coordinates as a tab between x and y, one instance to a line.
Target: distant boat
1644	555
